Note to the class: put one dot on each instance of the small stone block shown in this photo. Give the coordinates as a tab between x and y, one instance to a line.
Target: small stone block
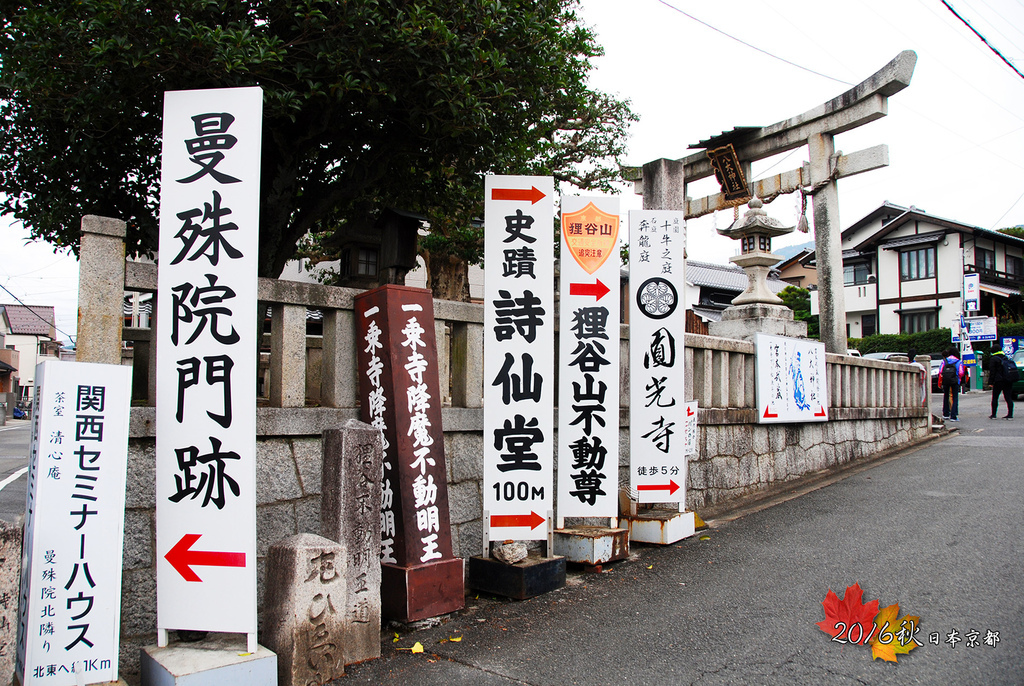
219	660
305	609
663	527
592	545
409	594
531	577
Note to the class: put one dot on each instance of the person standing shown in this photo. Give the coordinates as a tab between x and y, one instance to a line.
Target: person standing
951	375
1001	383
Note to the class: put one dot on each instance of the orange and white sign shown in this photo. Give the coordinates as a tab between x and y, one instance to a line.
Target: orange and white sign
590	235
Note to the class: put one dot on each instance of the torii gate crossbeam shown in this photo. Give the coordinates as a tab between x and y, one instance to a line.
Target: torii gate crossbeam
663	182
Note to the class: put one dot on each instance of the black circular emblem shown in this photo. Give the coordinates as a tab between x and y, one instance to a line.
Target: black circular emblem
657	298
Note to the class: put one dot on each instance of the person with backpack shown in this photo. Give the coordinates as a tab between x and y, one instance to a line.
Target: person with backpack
1002	372
951	376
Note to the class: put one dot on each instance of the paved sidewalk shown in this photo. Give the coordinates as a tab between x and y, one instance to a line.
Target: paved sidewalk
936	529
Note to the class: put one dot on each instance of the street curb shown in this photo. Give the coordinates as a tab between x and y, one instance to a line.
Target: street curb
733	509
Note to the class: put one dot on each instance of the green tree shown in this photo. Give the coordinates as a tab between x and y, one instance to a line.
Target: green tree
367	104
1017	231
799	300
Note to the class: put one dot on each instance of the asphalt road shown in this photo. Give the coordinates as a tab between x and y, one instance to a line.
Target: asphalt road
935	529
15	436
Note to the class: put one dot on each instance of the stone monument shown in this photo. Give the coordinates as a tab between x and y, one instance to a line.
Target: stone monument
757	309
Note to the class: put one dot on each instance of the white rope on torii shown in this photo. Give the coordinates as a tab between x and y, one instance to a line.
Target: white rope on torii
663	182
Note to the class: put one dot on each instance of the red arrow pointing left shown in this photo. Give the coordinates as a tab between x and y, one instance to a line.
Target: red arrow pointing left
532	520
533	194
183	559
598	289
671	487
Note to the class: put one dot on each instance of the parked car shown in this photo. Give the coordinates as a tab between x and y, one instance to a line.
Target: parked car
936	366
883	356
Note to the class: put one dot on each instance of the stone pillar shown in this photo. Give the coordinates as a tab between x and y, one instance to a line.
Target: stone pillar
10	568
288	356
828	246
663	185
350	513
337	374
100	290
304	609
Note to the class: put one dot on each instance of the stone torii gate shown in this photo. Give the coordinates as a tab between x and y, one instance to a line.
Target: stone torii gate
663	182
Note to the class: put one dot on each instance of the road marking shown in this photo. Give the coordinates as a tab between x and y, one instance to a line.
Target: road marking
13	477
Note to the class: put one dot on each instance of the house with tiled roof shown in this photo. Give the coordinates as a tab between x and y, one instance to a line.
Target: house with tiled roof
31	331
904	268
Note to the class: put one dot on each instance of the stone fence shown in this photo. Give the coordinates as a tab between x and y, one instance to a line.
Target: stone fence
310	385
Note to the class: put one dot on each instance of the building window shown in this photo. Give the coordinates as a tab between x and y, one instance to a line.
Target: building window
867	325
916	322
985	259
367	263
917	264
1014	266
856	274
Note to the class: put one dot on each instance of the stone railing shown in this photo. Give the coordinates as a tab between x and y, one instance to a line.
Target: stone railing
310	385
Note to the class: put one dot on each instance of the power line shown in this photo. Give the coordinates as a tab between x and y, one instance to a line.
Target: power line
753	47
983	40
38	316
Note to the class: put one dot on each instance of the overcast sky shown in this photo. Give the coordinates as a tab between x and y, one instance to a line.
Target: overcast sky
955	135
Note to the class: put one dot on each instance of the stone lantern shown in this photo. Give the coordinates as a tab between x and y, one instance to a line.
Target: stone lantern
757	309
754	231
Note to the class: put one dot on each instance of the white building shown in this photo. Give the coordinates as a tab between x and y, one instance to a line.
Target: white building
32	332
904	268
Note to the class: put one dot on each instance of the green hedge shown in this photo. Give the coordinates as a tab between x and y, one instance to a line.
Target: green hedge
931	342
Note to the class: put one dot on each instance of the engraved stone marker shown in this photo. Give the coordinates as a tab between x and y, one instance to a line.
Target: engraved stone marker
350	513
305	612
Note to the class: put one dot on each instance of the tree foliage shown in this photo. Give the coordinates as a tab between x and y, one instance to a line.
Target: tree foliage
367	104
799	300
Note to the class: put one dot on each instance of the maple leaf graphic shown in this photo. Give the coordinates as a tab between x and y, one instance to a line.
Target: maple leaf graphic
892	637
842	617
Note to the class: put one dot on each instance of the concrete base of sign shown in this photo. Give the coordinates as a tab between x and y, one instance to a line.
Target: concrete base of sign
742	322
525	579
660	526
220	659
592	545
408	594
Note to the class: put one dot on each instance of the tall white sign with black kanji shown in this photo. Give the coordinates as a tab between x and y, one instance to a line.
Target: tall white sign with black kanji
206	361
657	382
519	341
70	605
588	349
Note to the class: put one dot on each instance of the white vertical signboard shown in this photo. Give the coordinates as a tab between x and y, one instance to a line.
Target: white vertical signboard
518	356
588	349
70	606
658	410
206	362
791	381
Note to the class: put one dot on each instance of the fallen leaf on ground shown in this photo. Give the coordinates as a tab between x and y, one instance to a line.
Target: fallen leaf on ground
417	647
842	615
898	634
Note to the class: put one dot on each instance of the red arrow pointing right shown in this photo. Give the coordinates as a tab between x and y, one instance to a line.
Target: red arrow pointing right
597	289
534	194
532	520
183	559
671	487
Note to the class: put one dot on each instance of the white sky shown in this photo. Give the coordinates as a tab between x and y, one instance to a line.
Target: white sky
955	135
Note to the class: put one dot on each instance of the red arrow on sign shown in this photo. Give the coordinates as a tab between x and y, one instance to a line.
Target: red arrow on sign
532	520
598	289
768	415
533	194
689	411
821	412
183	559
671	487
